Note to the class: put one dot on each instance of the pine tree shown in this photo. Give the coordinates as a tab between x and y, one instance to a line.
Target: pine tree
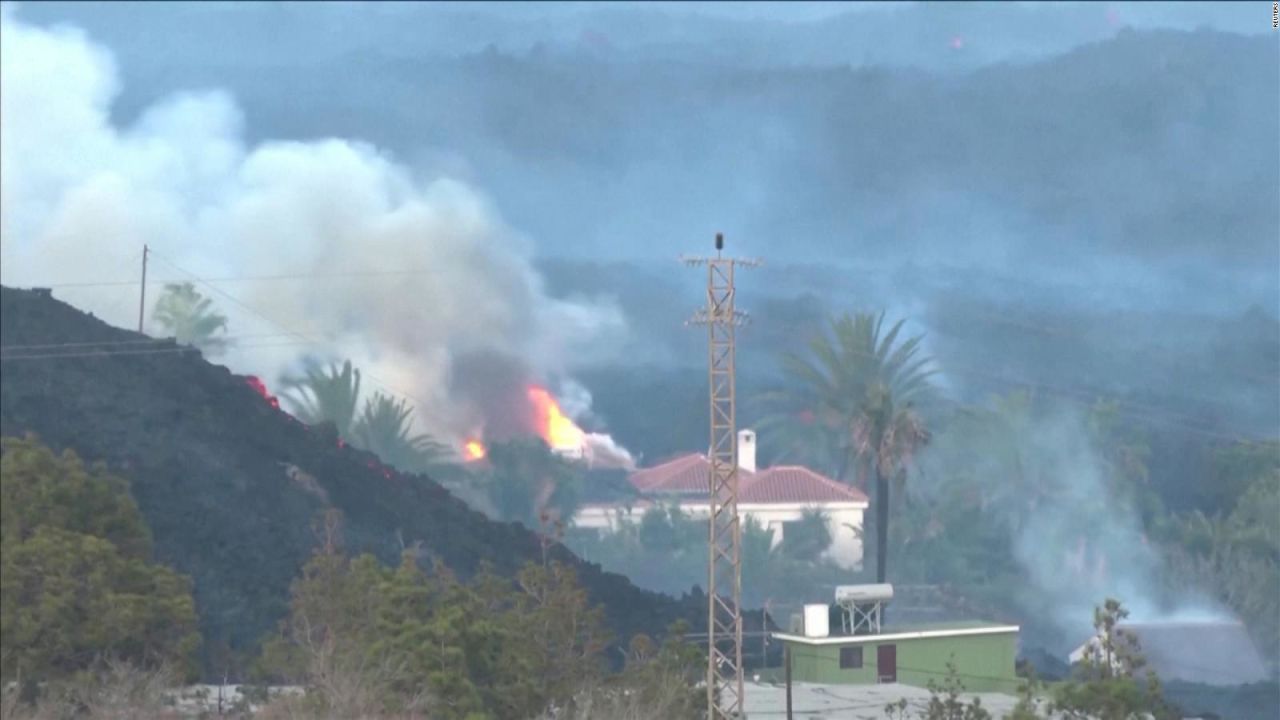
77	582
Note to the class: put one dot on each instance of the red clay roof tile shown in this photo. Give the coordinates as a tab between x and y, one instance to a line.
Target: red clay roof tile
795	484
690	475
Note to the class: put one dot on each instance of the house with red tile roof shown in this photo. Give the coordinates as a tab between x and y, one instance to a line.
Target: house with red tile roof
774	497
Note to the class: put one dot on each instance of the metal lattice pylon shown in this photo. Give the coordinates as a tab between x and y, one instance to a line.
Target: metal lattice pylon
724	543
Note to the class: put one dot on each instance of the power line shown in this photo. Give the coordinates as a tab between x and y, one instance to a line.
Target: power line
89	352
145	341
104	354
1084	397
1077	395
1094	392
87	343
994	318
145	351
1088	398
236	301
306	340
1071	334
246	278
1037	328
114	304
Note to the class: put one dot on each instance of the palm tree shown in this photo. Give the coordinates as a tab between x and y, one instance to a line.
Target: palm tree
764	567
809	537
319	396
852	407
657	530
384	428
190	318
757	549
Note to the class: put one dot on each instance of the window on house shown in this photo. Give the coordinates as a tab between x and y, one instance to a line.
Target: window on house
850	658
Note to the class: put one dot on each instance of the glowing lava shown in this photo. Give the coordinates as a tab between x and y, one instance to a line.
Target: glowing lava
261	388
552	424
473	450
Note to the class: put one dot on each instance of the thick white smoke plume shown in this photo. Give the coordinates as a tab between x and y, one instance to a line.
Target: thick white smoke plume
605	452
410	278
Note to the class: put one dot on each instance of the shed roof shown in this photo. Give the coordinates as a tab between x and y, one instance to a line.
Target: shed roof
904	633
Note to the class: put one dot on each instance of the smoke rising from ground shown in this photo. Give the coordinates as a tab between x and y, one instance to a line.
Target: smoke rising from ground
1069	513
416	280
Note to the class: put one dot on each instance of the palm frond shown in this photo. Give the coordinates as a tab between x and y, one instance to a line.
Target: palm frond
857	379
325	396
385	429
190	318
885	345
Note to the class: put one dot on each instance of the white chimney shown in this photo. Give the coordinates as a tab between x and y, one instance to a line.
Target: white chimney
747	450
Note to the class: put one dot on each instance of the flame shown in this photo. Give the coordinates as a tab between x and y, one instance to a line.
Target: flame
474	450
552	424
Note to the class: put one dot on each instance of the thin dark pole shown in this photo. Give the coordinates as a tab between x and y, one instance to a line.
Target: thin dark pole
764	635
786	651
142	300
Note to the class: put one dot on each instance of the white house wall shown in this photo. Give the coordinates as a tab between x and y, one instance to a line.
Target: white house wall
844	520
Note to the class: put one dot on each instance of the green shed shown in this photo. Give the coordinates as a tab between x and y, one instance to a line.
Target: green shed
983	655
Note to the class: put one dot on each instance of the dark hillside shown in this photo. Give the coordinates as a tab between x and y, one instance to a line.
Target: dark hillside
207	457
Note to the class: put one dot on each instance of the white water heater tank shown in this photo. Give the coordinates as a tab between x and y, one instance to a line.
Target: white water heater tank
816	621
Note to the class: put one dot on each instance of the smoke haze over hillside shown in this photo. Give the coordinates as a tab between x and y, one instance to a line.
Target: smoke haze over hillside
418	271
